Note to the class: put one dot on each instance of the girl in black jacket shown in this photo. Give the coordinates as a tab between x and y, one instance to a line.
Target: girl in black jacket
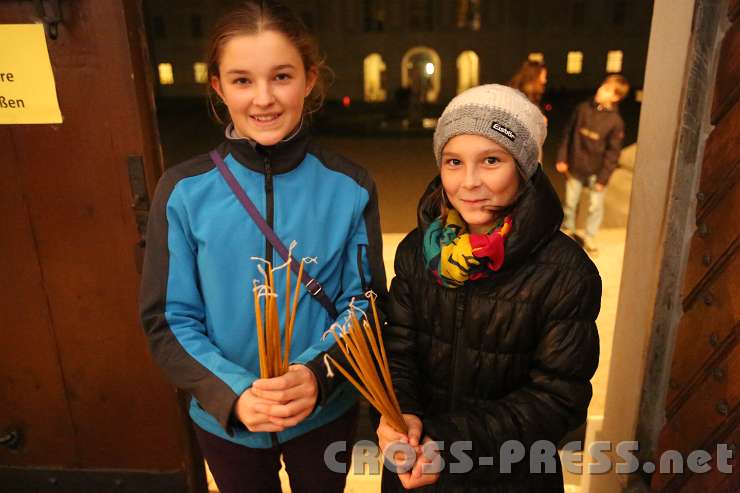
491	330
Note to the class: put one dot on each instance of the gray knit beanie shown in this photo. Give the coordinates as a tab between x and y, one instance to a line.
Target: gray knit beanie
500	113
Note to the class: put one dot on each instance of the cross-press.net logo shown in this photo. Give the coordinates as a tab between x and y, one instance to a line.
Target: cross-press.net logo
541	457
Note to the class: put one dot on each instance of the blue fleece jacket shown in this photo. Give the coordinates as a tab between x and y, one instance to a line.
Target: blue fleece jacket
196	297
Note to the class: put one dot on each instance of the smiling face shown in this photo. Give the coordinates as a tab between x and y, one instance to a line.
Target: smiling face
478	177
263	82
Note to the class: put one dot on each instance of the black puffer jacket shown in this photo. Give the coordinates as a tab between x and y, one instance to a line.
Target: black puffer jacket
507	358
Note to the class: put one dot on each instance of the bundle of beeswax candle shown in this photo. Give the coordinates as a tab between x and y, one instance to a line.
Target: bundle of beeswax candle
274	353
365	353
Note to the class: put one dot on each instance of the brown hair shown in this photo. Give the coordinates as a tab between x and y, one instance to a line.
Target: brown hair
620	84
527	80
253	17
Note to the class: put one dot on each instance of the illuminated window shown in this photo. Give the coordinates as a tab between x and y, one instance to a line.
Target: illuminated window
421	73
614	61
428	122
467	70
200	72
166	77
468	14
374	69
536	57
575	62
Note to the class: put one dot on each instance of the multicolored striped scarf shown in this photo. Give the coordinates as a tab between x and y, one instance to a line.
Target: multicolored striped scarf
456	256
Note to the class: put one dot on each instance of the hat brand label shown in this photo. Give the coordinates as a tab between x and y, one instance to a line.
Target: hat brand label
503	130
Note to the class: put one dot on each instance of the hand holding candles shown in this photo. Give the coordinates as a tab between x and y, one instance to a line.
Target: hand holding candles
285	394
364	351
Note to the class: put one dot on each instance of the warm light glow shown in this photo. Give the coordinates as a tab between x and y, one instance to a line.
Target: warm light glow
536	57
374	67
614	61
638	95
166	76
346	101
415	73
467	70
200	72
575	62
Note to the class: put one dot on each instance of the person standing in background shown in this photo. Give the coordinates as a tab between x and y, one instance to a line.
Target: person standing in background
531	79
588	154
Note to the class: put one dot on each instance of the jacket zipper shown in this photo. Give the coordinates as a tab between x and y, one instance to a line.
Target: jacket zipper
458	346
270	219
269	206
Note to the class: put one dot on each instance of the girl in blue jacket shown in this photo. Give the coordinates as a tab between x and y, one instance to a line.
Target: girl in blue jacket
196	294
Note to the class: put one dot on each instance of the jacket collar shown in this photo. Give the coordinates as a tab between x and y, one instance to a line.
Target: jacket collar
599	107
535	218
284	156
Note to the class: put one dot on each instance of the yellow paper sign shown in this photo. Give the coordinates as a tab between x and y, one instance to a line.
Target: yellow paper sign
27	90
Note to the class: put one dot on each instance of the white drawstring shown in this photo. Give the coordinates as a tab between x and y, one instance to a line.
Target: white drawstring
329	371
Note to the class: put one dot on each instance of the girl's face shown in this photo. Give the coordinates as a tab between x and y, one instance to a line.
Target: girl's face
478	176
263	83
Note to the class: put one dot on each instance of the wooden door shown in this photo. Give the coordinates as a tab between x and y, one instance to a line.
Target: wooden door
702	406
82	407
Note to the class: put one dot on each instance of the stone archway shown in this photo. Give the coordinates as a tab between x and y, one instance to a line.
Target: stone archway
421	72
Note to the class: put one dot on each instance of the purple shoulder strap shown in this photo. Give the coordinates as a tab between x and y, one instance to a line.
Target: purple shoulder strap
312	285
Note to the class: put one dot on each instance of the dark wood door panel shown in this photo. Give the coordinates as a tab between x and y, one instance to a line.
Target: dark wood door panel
32	395
705	327
715	481
117	412
709	414
727	88
702	400
715	239
86	236
721	158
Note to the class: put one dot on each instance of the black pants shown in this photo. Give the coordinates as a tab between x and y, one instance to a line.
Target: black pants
240	469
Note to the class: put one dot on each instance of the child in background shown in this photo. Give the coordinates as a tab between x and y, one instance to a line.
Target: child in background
588	154
196	294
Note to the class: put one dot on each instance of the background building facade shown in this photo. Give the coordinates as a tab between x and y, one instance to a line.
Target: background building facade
376	47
